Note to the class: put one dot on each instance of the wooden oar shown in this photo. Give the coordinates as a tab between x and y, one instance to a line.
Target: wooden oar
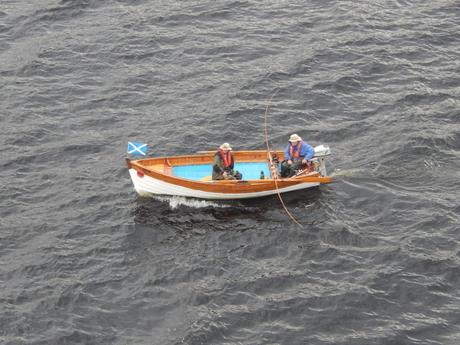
205	152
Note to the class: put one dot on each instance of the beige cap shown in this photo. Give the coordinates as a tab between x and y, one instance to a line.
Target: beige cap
225	146
295	138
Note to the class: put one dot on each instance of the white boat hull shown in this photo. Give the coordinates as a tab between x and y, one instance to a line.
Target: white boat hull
147	185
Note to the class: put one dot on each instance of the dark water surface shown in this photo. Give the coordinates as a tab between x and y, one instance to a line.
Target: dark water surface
84	260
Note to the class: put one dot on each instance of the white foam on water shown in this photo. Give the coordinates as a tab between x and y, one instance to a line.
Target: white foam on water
431	164
176	201
349	172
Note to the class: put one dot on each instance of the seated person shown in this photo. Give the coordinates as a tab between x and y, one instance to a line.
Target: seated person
296	154
222	168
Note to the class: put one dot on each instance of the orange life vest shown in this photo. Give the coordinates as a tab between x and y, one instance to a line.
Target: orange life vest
226	157
295	154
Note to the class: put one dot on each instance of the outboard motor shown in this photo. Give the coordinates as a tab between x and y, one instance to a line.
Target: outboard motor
321	152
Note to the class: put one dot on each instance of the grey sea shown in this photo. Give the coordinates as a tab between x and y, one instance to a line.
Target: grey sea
85	260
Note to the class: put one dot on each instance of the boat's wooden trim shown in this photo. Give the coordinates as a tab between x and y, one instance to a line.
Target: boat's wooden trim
207	158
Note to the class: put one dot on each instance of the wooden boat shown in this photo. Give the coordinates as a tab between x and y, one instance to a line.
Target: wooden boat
189	176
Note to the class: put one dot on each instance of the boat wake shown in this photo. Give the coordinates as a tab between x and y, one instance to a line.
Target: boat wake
349	172
177	201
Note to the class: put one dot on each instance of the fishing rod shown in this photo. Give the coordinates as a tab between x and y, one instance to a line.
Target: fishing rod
275	171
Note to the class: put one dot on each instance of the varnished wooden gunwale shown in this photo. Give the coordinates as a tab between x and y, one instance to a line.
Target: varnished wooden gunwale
207	158
225	186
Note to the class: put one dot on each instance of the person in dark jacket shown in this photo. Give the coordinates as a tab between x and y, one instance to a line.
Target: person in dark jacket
296	155
222	168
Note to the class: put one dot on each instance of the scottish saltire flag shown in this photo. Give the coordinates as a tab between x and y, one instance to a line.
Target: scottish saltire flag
137	148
